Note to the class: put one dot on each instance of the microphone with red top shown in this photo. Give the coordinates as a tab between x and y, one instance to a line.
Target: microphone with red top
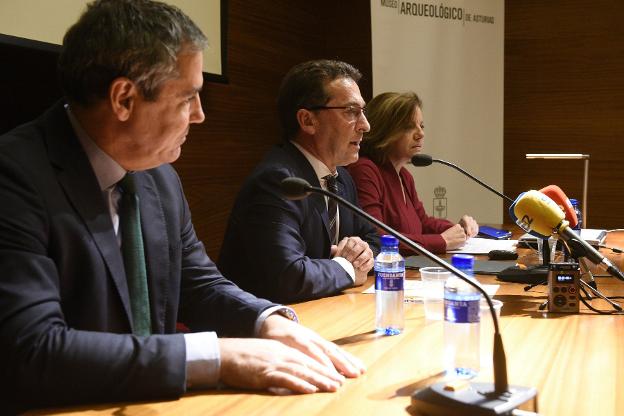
561	199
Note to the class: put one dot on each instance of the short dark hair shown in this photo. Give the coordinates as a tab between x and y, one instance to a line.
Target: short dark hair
304	87
137	39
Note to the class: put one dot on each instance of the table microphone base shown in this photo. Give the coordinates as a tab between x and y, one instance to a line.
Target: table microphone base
475	399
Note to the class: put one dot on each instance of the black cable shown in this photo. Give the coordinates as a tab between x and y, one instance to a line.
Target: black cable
582	288
532	285
613	249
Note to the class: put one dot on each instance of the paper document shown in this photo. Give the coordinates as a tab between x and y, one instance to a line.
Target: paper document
590	235
477	245
414	289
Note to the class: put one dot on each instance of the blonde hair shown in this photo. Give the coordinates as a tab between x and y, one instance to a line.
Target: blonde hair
389	114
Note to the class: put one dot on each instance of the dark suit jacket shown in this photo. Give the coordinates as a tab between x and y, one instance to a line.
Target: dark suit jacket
287	243
64	308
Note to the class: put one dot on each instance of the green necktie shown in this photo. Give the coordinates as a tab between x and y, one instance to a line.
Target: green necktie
134	256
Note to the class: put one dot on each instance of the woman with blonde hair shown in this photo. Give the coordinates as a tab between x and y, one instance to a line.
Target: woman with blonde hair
386	188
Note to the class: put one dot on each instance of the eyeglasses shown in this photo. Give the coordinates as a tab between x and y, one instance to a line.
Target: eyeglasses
353	112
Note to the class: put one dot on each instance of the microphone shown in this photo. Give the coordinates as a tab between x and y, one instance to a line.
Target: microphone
295	188
539	215
476	398
511	273
536	213
426	160
556	194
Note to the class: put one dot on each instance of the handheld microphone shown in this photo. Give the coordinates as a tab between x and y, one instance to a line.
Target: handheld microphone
426	160
536	213
539	215
556	194
477	398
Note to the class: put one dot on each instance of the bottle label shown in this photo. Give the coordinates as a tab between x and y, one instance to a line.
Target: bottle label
462	311
392	281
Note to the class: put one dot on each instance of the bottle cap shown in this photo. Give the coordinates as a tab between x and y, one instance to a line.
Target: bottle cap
463	261
573	201
389	241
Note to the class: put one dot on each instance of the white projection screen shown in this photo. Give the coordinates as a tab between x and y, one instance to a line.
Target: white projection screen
46	21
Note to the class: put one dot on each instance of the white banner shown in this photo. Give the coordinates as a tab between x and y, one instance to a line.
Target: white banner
452	55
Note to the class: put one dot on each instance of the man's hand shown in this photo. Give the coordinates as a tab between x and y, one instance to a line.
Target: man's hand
271	365
356	251
326	353
470	226
455	237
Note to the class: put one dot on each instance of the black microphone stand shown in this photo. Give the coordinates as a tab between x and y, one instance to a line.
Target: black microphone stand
477	398
480	182
544	267
532	275
578	252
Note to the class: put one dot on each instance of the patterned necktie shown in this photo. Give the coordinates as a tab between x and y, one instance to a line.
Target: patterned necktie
332	207
134	256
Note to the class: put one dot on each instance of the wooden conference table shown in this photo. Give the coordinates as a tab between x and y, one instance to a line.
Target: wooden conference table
576	362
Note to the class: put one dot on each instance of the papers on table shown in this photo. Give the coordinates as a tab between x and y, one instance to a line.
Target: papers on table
592	236
414	289
477	245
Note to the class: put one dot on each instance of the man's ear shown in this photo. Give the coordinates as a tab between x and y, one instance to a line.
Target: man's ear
307	121
122	95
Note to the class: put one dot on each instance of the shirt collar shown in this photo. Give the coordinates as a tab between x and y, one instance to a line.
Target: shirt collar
107	171
320	169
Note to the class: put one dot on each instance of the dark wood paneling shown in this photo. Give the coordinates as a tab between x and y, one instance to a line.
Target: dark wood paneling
28	84
564	62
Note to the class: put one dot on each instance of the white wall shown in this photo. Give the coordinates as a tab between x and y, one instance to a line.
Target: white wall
456	67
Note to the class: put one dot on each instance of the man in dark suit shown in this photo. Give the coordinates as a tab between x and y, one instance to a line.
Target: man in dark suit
310	248
89	294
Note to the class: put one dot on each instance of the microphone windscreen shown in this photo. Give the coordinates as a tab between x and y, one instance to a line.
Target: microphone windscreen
556	194
422	160
536	213
295	188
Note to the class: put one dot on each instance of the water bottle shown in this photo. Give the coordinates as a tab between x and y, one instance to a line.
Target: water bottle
461	322
389	279
579	215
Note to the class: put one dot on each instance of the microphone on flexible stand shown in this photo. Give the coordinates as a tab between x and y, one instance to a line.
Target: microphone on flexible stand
426	160
516	274
477	398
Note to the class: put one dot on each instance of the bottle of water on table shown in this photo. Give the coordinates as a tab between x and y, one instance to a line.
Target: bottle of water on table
461	322
389	279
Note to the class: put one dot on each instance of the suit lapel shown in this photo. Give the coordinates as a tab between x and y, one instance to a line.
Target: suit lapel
306	171
78	181
156	243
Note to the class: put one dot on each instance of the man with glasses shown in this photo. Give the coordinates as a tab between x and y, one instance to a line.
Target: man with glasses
290	251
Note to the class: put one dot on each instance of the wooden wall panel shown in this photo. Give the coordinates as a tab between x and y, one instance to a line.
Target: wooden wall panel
564	62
